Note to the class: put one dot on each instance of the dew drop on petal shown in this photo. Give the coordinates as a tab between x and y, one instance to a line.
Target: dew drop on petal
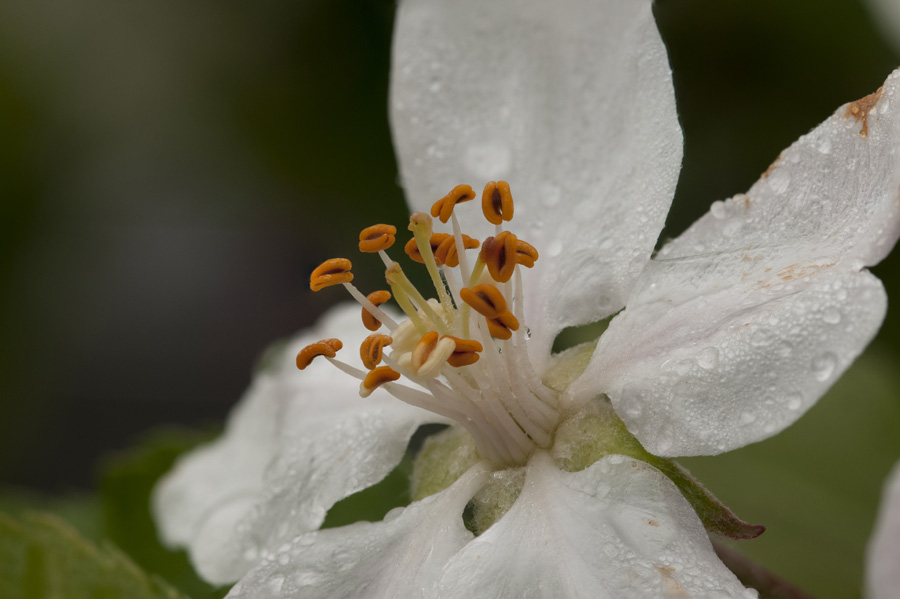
708	358
251	553
275	583
747	418
550	194
489	159
555	248
717	209
823	366
794	401
779	180
824	145
784	349
831	316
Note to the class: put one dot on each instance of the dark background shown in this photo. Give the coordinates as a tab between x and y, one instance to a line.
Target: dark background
171	172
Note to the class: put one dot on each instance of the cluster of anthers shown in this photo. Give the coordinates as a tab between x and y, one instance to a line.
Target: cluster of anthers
465	350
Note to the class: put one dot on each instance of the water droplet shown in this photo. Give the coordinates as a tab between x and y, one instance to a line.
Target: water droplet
275	583
708	358
616	459
731	228
794	401
823	366
665	440
435	87
555	248
824	145
682	367
550	194
831	316
718	210
251	553
283	559
747	418
489	159
610	550
784	349
779	180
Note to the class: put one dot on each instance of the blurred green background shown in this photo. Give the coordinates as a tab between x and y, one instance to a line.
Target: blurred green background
171	172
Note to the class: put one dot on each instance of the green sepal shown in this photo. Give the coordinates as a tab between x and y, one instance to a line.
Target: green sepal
596	431
42	556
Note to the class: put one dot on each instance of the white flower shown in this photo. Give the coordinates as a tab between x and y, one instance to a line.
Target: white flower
730	333
883	558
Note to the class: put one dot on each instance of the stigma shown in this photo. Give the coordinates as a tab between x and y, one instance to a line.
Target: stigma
461	353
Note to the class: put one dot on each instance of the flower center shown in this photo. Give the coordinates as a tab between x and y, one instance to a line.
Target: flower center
464	352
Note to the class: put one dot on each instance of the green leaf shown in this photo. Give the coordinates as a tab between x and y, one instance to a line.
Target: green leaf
126	484
41	557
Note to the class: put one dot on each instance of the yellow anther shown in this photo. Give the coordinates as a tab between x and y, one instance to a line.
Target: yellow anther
331	272
372	349
325	347
465	351
503	326
499	255
377	298
497	202
443	208
484	299
445	252
376	378
376	238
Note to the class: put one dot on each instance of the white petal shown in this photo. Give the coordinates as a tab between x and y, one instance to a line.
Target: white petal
887	16
618	529
740	325
297	443
400	557
883	556
571	102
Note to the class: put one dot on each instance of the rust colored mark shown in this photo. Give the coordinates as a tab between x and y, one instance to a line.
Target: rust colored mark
860	110
671	587
766	174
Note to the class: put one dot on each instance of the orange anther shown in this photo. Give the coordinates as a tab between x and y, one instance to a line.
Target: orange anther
465	353
325	347
484	299
443	208
497	202
331	272
423	349
445	252
376	378
499	255
372	349
376	238
377	298
502	326
526	254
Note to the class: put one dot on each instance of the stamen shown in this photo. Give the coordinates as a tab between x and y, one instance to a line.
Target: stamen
331	272
485	299
429	354
376	378
443	208
498	254
372	350
526	254
503	326
325	347
464	353
446	251
420	225
377	298
497	202
376	238
403	291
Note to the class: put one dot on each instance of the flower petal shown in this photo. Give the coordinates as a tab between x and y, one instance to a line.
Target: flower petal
399	557
571	102
296	444
883	556
740	325
617	529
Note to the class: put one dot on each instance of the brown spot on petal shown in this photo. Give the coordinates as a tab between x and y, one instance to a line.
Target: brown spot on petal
766	174
860	110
